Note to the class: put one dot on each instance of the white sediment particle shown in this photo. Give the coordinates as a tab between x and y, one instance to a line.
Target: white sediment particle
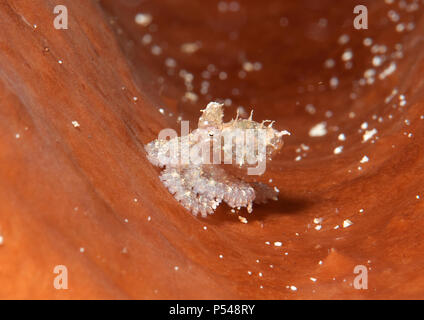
338	150
17	136
190	96
149	218
126	220
368	134
313	279
417	196
242	219
364	125
341	137
278	243
135	99
334	82
161	110
143	19
249	272
82	250
221	256
60	61
318	130
367	42
248	66
347	223
260	274
1	240
310	108
75	124
377	61
364	159
318	227
190	47
317	220
293	288
205	228
176	268
347	55
146	39
388	71
135	200
156	50
343	39
329	63
170	63
222	75
361	210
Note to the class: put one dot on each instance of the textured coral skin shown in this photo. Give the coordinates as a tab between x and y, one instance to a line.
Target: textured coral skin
200	188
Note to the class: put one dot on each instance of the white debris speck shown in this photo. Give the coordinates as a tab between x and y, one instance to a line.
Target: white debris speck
417	196
318	130
329	63
161	110
313	279
221	256
338	150
17	136
249	273
205	228
60	61
156	50
143	19
388	71
75	124
364	159
149	218
242	219
368	135
135	99
126	220
260	274
347	55
334	82
342	137
190	96
317	220
170	63
347	223
176	268
318	227
310	108
146	39
361	210
278	243
82	249
190	48
135	200
1	240
293	288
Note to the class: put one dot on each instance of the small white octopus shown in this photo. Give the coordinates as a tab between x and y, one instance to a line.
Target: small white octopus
200	186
